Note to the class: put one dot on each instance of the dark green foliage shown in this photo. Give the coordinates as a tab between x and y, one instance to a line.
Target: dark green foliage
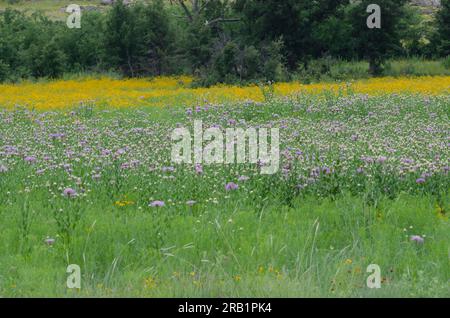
377	44
28	47
220	41
83	47
137	39
443	20
297	23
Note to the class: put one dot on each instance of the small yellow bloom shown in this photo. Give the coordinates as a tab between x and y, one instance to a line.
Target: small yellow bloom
123	203
440	212
150	283
348	261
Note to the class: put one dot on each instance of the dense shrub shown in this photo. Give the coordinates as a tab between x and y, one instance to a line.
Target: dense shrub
29	47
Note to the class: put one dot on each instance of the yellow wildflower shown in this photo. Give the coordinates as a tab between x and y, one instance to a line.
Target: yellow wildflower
169	91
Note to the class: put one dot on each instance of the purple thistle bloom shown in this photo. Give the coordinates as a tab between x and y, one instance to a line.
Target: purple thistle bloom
106	152
243	178
3	168
418	239
231	186
125	166
30	159
191	202
120	152
407	161
315	172
49	241
157	204
426	175
167	169
420	181
11	150
70	193
367	159
198	169
381	159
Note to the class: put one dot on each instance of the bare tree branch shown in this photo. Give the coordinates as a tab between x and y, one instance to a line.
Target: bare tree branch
186	10
221	20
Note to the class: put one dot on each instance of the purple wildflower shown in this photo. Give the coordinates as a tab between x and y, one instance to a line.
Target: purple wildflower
70	193
407	161
191	202
106	152
418	239
168	169
3	168
231	186
49	241
198	169
367	159
420	181
157	204
120	152
30	159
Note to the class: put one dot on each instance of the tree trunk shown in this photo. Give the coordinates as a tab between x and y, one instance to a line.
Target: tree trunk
375	66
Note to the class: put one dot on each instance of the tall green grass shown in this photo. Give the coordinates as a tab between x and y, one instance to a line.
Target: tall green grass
312	249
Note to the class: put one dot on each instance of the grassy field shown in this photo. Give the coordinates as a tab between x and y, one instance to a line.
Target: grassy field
363	180
50	8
